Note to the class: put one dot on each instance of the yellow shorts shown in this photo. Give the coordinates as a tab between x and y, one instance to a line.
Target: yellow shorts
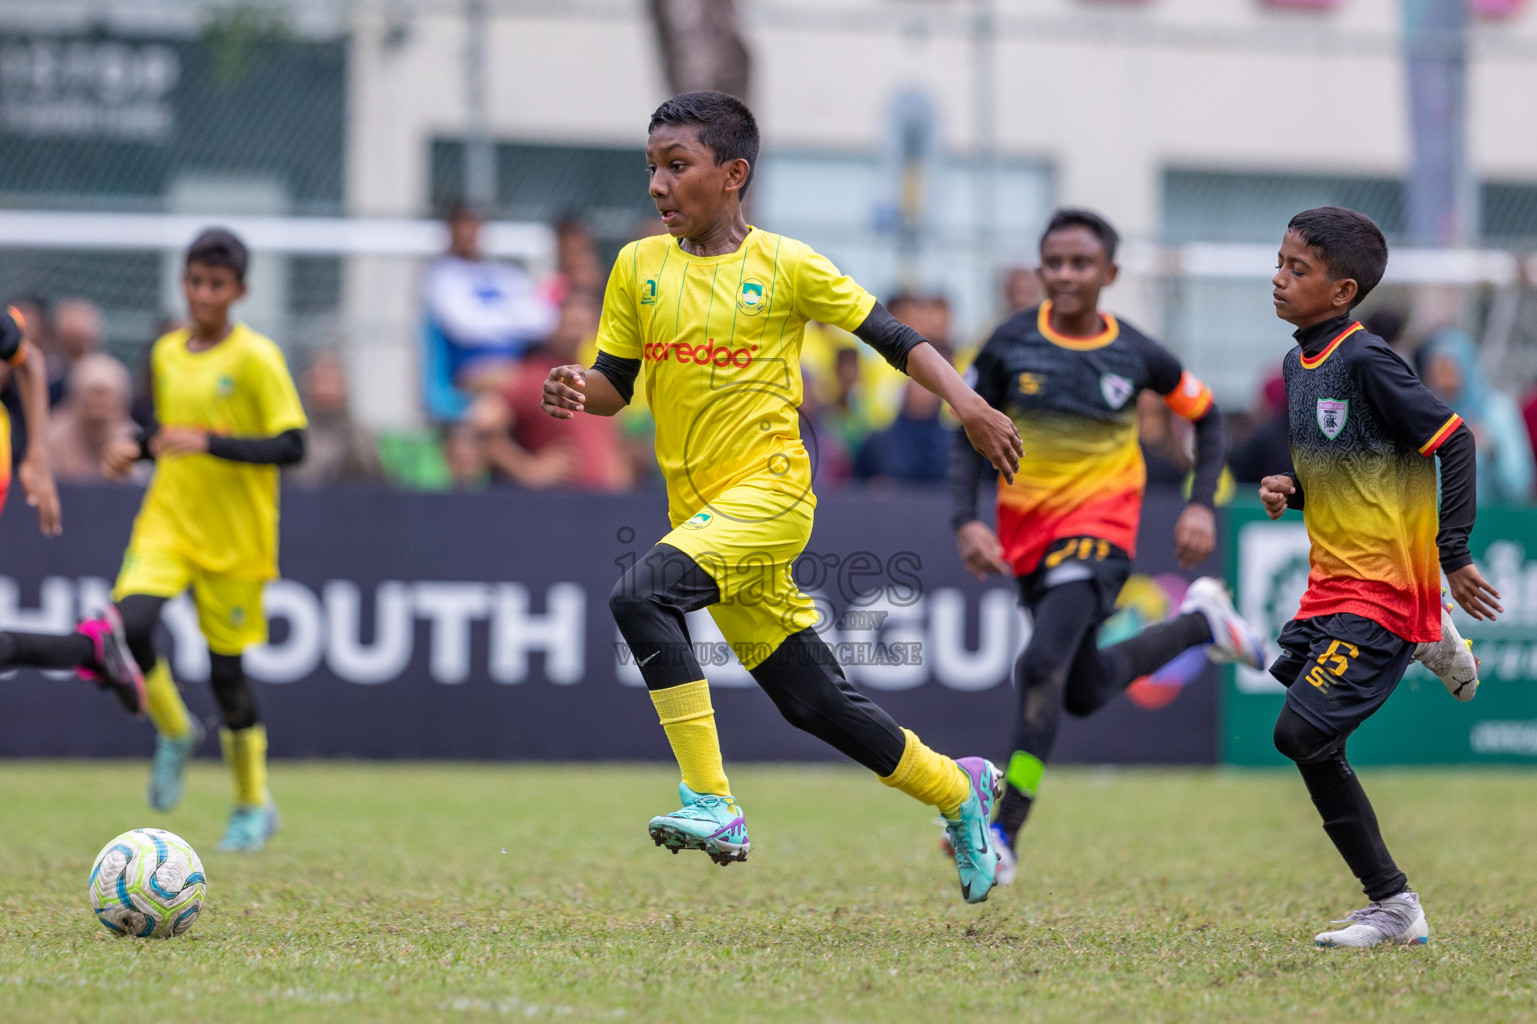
229	609
747	540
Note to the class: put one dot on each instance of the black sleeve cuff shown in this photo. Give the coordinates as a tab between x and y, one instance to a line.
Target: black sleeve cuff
888	336
621	373
1294	499
1451	563
145	437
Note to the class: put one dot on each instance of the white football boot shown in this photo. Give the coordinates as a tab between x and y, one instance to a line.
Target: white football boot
1399	919
1451	658
1233	639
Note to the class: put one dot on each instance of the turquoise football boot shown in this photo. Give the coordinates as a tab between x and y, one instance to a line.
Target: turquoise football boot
705	822
167	773
971	837
249	828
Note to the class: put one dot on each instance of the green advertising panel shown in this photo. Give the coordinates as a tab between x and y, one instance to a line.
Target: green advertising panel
1421	723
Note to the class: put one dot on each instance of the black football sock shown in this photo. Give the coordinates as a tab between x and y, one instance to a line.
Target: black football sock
1064	621
803	679
46	650
1352	825
1013	809
1153	648
1100	674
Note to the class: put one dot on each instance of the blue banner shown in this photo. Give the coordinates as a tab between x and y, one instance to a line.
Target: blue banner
477	626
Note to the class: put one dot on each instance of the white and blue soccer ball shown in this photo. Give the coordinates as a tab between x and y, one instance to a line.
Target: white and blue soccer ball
148	884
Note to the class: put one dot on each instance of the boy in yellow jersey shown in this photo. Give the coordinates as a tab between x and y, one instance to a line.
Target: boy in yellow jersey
228	416
713	313
97	649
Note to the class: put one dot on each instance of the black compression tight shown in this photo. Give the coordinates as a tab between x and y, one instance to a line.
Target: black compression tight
1064	668
226	672
801	676
1347	814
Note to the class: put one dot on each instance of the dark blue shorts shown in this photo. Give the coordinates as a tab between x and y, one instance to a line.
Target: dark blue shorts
1339	669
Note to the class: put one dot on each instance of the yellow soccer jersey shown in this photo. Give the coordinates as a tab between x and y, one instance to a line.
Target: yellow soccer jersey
719	339
222	516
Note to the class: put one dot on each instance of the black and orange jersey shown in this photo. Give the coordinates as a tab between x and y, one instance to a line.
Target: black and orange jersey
1362	430
1074	402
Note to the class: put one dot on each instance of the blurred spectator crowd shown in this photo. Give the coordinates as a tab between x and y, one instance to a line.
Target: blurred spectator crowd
490	333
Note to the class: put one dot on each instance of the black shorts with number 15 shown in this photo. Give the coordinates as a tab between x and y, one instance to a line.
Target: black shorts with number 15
1339	669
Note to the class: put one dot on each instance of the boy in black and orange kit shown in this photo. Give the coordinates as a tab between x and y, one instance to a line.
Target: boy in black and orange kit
1363	430
1069	376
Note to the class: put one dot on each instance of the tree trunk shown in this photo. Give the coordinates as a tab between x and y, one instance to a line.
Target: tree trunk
702	46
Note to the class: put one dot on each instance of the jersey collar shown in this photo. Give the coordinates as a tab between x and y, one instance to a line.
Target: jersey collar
1111	331
1319	341
725	257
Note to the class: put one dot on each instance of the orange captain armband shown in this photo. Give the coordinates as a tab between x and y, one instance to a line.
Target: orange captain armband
20	355
1190	398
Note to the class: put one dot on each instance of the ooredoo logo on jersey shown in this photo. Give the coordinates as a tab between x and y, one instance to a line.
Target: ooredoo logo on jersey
708	354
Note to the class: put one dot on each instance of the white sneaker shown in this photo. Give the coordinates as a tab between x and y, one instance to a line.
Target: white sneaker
1398	919
1451	659
1233	639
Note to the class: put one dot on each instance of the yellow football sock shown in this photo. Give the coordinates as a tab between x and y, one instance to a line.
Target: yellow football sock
932	778
245	751
166	708
689	719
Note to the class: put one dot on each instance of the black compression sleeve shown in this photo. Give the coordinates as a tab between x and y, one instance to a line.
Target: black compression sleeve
963	477
968	467
621	373
888	336
145	437
1294	499
1209	445
286	449
1459	500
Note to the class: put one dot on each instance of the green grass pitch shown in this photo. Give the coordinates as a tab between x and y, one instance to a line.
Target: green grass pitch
410	892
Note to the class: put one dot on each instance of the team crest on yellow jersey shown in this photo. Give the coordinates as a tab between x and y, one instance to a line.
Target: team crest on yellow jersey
226	385
698	521
751	301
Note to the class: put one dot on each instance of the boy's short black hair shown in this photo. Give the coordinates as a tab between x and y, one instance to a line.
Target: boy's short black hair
1350	243
1098	226
724	122
218	247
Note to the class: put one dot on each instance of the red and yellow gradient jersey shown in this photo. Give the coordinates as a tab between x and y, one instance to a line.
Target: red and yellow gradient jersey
1363	429
1074	401
719	340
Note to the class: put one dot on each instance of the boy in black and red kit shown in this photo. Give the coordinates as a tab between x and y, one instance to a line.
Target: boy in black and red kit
1363	430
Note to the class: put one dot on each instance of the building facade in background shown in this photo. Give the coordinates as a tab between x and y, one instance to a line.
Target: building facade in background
920	143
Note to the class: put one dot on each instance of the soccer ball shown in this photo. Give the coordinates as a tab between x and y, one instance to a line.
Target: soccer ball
147	883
